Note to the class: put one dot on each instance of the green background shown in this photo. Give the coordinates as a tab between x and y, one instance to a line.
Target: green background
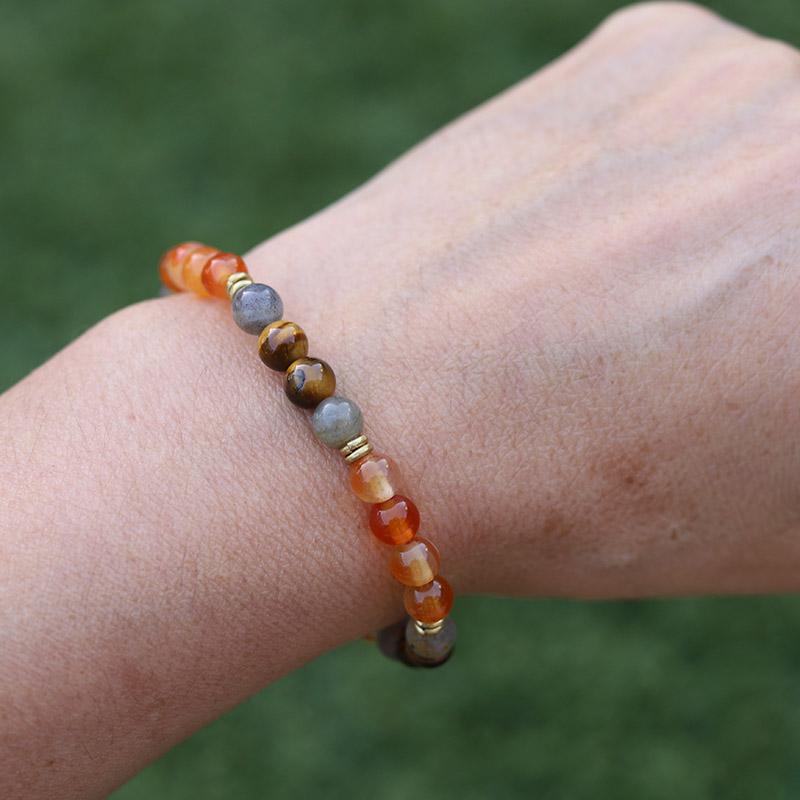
127	127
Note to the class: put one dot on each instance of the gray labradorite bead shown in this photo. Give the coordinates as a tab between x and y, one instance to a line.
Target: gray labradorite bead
336	421
256	306
433	649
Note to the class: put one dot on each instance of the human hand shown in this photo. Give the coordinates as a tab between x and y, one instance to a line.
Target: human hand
572	315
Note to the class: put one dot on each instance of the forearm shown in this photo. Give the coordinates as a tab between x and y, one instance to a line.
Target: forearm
163	555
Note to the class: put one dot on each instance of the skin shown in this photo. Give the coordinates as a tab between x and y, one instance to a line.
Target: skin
570	316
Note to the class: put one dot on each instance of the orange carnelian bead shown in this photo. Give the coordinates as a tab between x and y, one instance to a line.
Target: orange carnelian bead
193	269
171	266
414	563
396	521
217	270
431	602
374	478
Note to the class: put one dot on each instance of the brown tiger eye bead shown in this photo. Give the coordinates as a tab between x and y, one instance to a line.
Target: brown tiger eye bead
281	343
309	381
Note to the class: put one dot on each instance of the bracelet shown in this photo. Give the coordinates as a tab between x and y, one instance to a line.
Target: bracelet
426	637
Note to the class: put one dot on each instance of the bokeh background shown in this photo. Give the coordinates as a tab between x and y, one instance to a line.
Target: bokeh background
125	127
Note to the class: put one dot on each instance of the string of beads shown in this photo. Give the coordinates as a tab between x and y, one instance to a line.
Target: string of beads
427	637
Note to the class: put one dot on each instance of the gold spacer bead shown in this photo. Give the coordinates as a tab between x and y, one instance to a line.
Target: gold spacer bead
238	285
429	628
360	453
237	276
356	448
237	281
353	444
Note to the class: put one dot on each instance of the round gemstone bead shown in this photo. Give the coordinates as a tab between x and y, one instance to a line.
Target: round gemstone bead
336	421
193	269
414	563
256	306
308	380
430	649
396	521
374	478
171	266
217	271
281	343
431	602
391	641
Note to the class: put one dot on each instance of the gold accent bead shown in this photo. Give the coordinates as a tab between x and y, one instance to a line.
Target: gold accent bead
356	448
237	281
360	453
353	444
238	285
429	628
237	276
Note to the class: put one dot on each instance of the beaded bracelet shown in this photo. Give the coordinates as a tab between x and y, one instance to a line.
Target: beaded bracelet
427	636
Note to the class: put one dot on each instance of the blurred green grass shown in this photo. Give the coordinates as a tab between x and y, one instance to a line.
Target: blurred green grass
127	127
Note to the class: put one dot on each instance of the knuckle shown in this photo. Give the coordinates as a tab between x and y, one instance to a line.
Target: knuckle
777	56
658	13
